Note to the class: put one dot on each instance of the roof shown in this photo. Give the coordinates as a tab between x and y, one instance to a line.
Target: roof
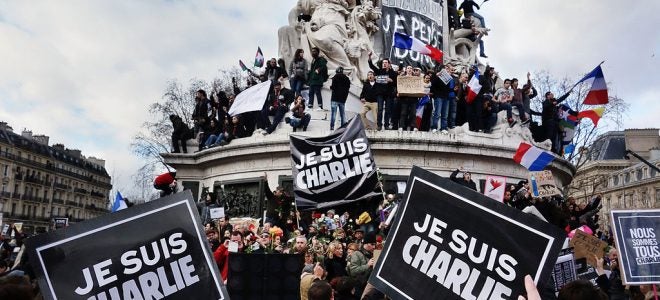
611	145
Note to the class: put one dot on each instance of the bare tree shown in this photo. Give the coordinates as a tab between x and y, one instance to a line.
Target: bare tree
156	134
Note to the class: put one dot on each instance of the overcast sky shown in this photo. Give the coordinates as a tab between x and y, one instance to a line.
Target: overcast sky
84	72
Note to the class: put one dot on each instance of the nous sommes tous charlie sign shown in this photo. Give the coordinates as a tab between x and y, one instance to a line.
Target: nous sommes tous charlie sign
449	242
150	251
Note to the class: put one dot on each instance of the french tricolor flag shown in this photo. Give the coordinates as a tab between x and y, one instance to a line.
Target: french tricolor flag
419	112
473	88
403	41
598	92
533	158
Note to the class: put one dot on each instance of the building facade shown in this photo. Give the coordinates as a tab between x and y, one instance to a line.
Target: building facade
39	182
623	181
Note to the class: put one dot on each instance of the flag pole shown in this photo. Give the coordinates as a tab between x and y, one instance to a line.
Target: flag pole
392	47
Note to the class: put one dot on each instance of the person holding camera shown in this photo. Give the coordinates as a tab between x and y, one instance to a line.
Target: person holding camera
299	118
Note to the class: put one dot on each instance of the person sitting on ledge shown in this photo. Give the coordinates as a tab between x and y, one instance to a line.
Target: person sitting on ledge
276	106
299	118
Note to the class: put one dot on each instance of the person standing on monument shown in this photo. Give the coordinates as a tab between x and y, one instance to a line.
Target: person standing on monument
386	79
298	71
369	97
550	119
340	87
318	74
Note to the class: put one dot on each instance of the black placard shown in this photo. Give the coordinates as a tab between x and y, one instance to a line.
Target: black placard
153	250
334	169
264	276
636	233
419	19
443	219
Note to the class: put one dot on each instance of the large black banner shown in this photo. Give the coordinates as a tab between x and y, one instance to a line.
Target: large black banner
636	233
449	242
421	19
153	250
334	169
265	276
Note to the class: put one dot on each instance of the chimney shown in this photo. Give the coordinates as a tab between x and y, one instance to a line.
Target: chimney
74	152
96	161
5	126
654	154
41	139
59	147
27	134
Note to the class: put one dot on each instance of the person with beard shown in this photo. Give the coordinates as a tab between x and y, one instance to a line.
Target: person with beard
212	237
221	255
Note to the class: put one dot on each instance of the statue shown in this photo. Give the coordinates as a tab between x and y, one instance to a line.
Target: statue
463	45
342	30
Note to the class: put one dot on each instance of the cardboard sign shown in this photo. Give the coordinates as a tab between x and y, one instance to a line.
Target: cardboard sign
60	222
495	187
449	242
585	245
542	184
334	169
154	250
637	235
217	213
564	271
410	86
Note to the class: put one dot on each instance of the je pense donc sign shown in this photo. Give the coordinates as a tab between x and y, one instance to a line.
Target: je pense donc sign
449	242
154	250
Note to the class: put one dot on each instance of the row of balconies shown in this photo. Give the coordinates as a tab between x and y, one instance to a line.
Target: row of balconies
54	169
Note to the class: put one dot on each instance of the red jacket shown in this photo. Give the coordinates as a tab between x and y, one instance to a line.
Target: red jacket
221	256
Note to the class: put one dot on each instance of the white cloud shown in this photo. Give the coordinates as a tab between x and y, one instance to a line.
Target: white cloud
84	72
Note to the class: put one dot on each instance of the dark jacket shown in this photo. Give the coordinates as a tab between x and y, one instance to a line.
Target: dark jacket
286	100
340	87
439	88
370	92
468	6
201	112
468	184
550	110
235	131
319	78
388	89
181	130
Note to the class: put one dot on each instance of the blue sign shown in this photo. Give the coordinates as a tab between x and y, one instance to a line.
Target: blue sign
636	233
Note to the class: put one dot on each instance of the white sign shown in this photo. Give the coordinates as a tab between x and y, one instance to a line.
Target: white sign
495	187
444	76
401	187
217	213
251	99
543	184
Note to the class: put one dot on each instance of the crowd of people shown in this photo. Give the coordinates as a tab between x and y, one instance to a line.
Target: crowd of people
340	245
445	105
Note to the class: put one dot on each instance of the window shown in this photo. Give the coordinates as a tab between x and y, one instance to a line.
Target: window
640	174
626	178
5	170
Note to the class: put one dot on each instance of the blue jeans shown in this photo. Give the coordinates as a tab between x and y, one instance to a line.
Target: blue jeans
296	85
452	113
521	110
279	115
213	140
315	90
440	110
381	105
334	105
481	19
507	107
300	122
